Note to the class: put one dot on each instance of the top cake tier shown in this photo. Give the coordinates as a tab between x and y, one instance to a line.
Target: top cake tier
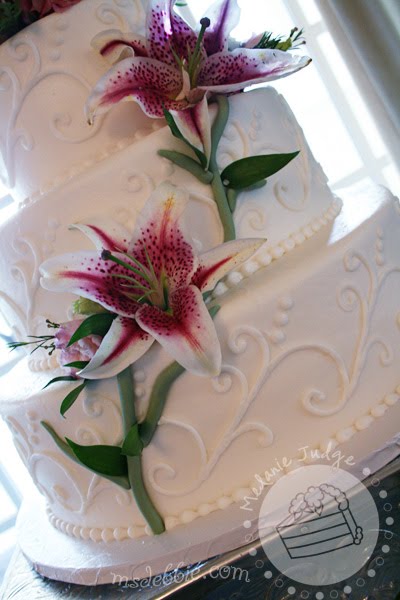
46	74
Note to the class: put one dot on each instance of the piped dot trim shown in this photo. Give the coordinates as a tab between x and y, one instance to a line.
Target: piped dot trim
85	165
109	534
266	256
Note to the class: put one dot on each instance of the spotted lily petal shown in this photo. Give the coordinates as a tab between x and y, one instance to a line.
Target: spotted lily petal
228	72
194	124
89	276
149	82
224	16
124	343
159	236
216	263
105	236
188	334
114	45
159	31
168	34
184	39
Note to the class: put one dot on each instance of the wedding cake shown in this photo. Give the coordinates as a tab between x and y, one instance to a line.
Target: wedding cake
246	349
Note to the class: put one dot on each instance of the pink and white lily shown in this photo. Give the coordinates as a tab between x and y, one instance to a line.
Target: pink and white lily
174	67
153	282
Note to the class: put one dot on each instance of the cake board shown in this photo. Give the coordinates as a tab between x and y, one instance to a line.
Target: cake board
58	556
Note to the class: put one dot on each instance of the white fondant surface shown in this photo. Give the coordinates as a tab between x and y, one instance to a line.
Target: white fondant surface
118	188
310	358
86	563
46	74
311	342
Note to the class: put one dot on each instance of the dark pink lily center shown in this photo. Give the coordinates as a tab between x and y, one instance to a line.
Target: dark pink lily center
140	282
190	60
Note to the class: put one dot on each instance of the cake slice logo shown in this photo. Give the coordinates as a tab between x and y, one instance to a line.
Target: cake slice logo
318	525
319	521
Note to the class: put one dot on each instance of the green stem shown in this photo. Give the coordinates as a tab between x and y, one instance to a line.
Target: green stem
216	184
159	394
187	163
158	399
126	394
143	501
135	475
220	123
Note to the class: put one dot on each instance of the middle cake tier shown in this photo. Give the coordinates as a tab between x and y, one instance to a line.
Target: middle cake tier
295	203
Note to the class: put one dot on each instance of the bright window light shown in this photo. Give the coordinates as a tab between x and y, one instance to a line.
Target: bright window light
324	98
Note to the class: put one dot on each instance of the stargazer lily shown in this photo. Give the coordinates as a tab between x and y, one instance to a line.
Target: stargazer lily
153	282
174	67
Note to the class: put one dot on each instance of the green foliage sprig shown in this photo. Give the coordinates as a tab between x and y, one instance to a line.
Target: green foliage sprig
294	40
247	174
46	342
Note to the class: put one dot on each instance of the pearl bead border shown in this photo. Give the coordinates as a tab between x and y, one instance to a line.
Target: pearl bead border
108	534
269	254
85	166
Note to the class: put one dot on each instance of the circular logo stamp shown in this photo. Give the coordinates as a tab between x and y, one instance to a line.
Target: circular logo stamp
318	525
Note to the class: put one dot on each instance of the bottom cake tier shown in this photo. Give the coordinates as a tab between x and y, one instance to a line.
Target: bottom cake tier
311	357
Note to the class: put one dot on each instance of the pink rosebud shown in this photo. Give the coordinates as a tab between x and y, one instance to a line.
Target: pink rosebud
83	350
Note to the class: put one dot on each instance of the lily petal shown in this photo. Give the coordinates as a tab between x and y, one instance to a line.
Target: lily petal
148	81
105	235
183	36
188	334
228	72
123	344
89	276
159	31
168	33
224	16
194	124
201	117
159	236
216	263
115	45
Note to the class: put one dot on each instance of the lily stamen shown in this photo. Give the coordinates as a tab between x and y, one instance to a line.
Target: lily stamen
194	59
107	255
134	282
155	292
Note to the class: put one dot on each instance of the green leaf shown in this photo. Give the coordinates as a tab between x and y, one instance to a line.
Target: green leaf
122	481
246	172
78	364
177	133
132	445
93	325
70	398
106	460
63	378
158	398
232	195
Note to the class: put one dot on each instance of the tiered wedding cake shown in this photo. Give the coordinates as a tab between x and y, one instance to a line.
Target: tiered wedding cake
308	326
